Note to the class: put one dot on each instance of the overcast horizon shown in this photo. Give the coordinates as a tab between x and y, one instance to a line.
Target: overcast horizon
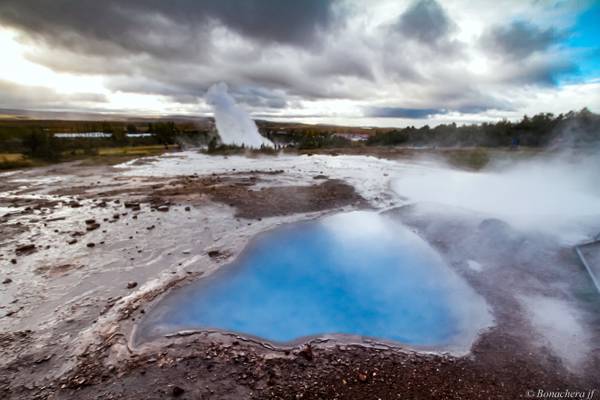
381	63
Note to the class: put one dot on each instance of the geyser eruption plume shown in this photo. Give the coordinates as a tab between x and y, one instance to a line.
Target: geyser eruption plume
233	123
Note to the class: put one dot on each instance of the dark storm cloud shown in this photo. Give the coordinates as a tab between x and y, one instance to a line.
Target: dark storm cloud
260	98
191	92
425	21
467	97
457	97
520	39
340	63
35	97
165	28
543	72
296	82
400	112
175	89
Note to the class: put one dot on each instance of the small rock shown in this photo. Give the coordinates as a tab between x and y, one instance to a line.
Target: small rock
72	241
188	209
12	312
13	261
177	391
93	226
307	352
151	227
362	377
43	359
90	221
91	244
214	253
25	249
131	285
80	381
163	208
7	281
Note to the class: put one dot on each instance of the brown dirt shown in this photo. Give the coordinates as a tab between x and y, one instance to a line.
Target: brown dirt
56	270
239	192
196	368
236	190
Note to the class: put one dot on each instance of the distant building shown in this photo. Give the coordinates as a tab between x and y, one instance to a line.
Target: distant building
63	135
140	134
354	137
96	135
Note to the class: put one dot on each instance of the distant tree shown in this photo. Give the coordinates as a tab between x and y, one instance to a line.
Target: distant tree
131	128
119	137
106	127
42	145
394	137
165	132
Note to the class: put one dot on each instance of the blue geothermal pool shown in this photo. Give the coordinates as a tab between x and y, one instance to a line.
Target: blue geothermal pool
356	274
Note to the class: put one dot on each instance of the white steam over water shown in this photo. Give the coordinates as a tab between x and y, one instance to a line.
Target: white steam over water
556	195
233	123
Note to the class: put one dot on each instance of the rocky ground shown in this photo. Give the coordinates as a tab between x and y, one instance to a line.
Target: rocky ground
84	250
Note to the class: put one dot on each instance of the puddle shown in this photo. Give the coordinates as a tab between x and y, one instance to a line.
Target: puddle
358	274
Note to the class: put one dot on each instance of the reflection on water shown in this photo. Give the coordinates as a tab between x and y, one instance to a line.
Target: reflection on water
357	273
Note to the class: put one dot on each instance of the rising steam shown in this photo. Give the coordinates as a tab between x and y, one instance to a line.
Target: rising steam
557	194
233	123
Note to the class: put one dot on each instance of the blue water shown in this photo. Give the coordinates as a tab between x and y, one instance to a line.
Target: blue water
356	273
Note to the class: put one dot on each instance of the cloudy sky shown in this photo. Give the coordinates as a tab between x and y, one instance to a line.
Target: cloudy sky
386	63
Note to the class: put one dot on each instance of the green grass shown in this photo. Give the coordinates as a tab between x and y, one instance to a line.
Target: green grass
141	151
94	156
11	157
471	159
116	155
15	161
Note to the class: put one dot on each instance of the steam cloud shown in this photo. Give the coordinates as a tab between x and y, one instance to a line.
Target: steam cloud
233	123
558	195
